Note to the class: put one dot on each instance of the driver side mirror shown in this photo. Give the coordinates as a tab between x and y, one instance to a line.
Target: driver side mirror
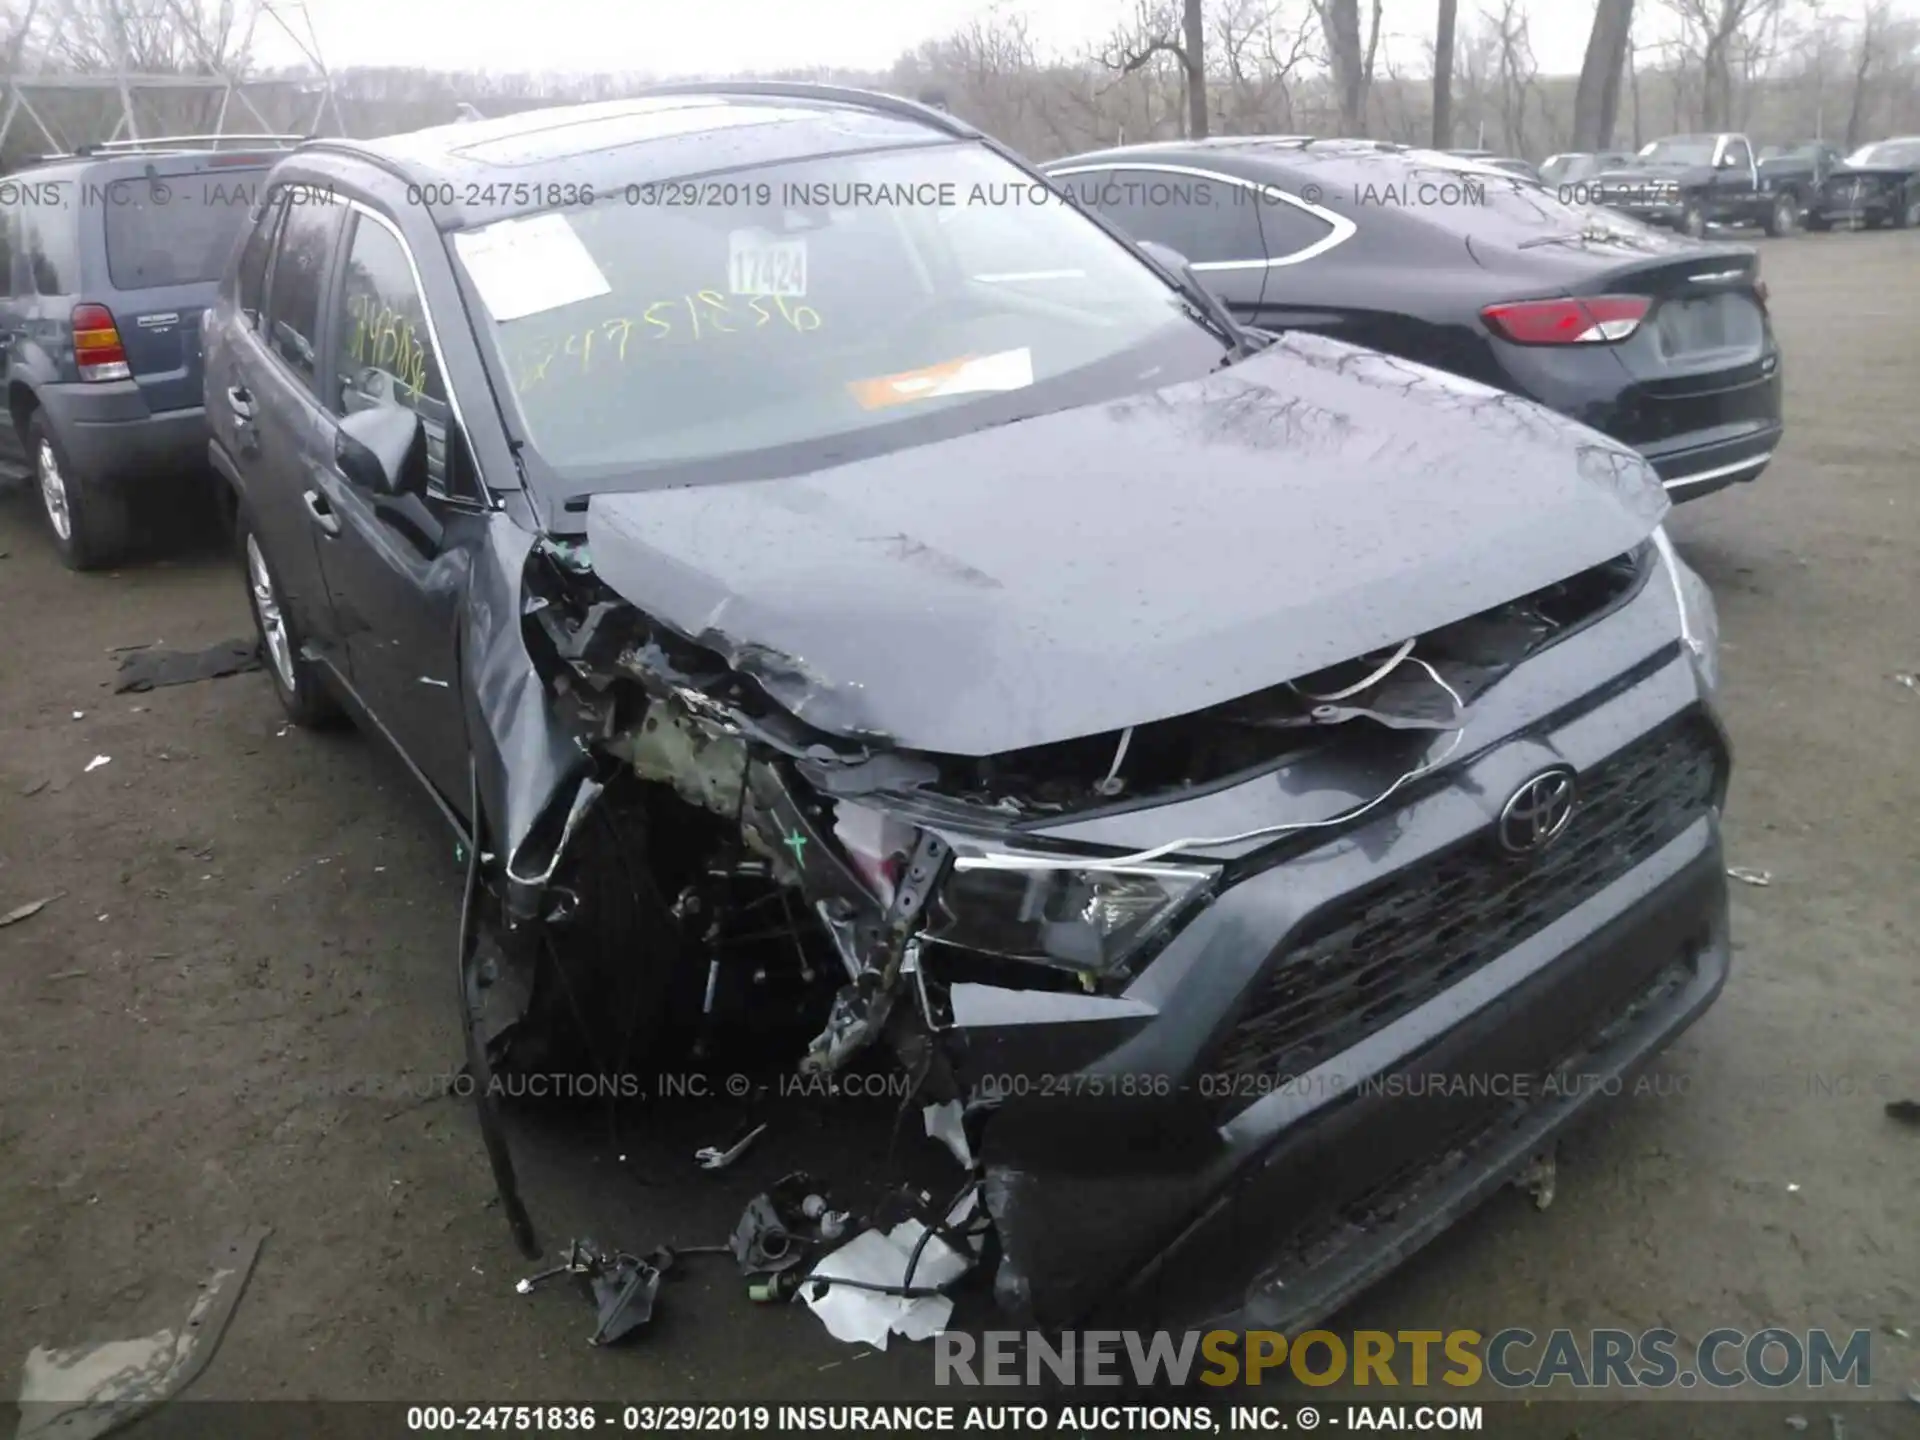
1727	162
383	450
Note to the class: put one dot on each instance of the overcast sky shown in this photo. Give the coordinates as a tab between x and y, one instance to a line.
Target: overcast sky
709	37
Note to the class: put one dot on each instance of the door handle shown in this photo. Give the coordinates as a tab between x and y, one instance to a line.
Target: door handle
240	402
322	512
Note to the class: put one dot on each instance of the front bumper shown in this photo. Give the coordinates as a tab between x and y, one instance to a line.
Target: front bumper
1199	1203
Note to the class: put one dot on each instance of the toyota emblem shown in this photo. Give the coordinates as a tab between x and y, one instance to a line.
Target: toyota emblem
1538	812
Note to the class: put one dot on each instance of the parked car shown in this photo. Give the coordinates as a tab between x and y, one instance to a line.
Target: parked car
1691	182
1574	167
1662	342
1879	184
1799	170
112	254
1098	689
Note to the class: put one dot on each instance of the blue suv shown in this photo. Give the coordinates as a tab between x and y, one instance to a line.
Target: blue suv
107	258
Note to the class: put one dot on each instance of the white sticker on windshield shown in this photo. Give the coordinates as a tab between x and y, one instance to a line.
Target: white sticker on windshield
526	267
758	264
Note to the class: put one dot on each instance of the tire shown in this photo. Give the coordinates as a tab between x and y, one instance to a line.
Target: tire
88	520
1784	218
1693	221
303	695
1909	218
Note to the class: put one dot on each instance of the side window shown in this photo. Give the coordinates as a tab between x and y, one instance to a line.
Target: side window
1208	221
294	283
1288	228
1738	155
385	354
250	273
48	238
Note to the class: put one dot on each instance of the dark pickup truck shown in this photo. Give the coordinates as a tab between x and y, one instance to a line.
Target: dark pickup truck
1688	182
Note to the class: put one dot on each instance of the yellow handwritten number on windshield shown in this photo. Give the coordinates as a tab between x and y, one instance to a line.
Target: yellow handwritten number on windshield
689	318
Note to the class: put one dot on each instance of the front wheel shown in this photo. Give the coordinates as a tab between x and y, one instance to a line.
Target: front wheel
1910	217
1784	216
303	695
1693	220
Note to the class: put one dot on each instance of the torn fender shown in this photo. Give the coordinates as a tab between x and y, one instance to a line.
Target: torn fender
532	759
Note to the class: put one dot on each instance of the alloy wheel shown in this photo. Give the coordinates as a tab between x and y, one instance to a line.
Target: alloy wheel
273	625
53	491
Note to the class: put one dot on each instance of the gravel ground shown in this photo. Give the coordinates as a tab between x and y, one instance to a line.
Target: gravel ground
234	1011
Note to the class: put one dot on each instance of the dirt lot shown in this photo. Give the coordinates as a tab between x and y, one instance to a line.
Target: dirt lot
255	924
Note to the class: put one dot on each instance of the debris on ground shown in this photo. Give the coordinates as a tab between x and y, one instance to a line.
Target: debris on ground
33	787
944	1123
890	1282
90	1390
1540	1179
719	1157
1907	1112
1912	682
97	761
151	667
1762	878
29	910
775	1231
622	1286
1796	1422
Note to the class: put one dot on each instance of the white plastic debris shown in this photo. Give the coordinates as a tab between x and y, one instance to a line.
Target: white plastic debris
79	714
1762	878
868	1317
943	1124
97	761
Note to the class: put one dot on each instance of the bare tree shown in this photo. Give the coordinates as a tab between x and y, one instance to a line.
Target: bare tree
1596	103
1443	74
1518	70
1712	31
1875	21
1160	29
1350	60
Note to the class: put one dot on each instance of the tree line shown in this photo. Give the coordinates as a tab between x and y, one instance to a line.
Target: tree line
1780	70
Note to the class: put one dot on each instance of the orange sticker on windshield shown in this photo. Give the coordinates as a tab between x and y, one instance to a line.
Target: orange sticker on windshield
908	385
1008	370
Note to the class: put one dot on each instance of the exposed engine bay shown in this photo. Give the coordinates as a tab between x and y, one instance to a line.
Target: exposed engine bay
720	864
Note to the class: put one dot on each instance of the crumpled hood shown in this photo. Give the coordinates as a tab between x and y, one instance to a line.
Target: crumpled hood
1132	560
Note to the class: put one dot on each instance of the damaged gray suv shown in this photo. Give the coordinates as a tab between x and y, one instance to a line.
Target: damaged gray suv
1273	788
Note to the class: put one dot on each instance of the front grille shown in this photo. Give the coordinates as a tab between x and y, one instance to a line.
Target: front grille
1374	956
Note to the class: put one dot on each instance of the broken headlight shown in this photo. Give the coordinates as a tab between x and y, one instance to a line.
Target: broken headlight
1093	921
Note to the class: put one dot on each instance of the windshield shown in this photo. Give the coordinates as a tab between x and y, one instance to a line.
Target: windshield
1887	152
798	308
1681	150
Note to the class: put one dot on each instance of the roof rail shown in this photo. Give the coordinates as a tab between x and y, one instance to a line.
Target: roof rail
895	105
163	143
